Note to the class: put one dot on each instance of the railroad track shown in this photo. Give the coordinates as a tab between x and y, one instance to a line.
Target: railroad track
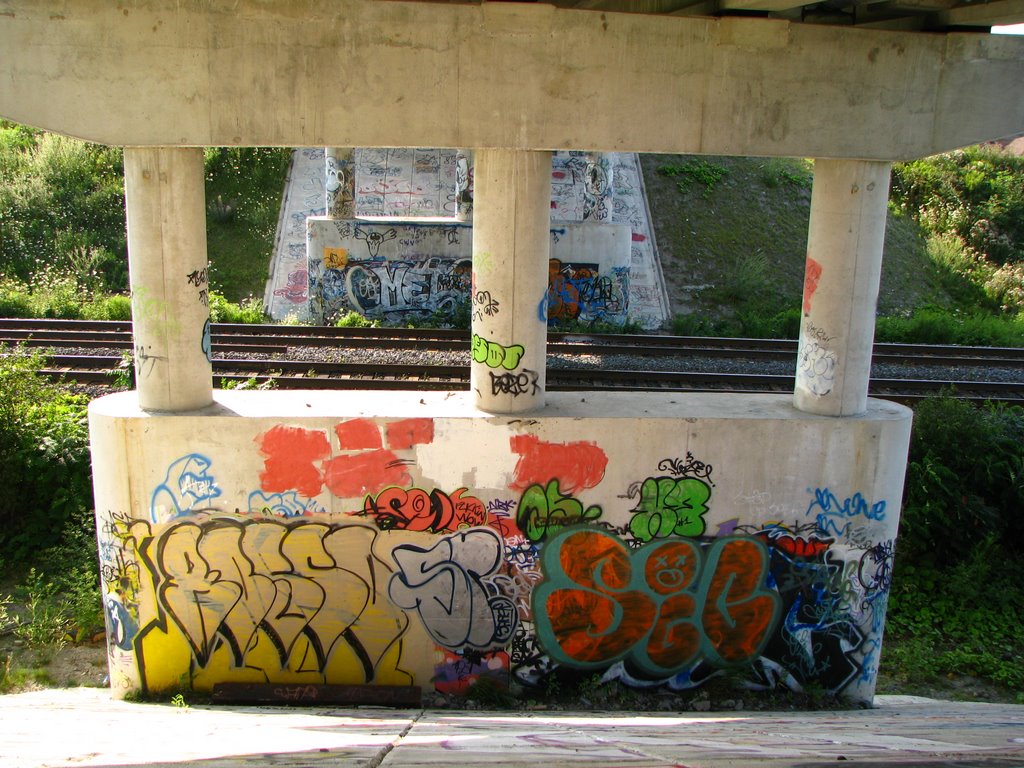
266	352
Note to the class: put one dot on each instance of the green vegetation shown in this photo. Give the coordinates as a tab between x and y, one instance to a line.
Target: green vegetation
953	266
957	602
61	210
47	530
243	192
697	171
63	246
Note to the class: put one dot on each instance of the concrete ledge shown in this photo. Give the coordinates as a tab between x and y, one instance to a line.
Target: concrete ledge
405	538
572	405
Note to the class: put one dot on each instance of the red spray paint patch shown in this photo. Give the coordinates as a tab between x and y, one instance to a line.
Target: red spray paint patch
358	435
358	474
638	238
290	453
575	465
812	274
409	432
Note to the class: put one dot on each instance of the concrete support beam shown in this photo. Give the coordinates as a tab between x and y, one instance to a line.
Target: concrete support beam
985	14
500	75
844	264
167	260
511	243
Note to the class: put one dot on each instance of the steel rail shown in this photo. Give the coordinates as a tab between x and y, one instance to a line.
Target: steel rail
282	340
292	374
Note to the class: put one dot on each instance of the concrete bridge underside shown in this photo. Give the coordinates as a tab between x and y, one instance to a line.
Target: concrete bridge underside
502	532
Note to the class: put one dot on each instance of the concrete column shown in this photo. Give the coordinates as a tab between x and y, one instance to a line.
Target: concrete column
511	241
844	265
340	180
166	210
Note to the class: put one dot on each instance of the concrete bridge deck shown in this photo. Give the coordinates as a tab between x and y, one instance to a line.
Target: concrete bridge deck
86	727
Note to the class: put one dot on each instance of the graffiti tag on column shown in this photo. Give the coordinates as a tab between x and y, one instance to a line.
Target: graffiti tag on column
817	367
484	305
200	279
207	341
661	607
145	361
495	355
515	384
451	587
829	509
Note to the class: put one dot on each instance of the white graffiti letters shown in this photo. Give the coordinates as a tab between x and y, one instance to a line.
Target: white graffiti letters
452	587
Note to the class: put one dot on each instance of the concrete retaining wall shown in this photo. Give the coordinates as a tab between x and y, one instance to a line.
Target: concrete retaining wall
399	270
406	538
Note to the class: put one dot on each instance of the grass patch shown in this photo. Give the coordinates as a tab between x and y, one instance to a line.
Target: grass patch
938	326
695	171
950	620
243	192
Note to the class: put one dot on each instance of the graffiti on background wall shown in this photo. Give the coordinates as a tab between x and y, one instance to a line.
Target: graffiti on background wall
577	291
410	182
657	584
393	271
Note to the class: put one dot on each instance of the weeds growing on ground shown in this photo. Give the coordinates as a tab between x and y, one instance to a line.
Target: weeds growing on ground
697	171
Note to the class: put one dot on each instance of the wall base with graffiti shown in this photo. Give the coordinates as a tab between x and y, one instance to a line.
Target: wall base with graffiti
405	538
404	270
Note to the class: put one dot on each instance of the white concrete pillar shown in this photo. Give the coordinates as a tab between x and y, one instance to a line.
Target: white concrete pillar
511	241
340	179
167	261
844	265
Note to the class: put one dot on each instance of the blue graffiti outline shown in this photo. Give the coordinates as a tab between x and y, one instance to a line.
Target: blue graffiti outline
190	474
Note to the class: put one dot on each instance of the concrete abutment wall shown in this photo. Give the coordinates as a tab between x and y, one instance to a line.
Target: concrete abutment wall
399	539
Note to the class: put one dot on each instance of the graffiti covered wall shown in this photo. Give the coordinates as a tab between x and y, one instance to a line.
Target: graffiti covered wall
277	537
398	270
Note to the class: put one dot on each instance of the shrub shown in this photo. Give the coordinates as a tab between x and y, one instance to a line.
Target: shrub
965	479
958	618
976	194
61	205
355	320
15	299
43	453
248	311
778	171
115	307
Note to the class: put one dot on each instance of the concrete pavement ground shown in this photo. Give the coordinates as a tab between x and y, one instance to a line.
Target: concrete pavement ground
86	727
